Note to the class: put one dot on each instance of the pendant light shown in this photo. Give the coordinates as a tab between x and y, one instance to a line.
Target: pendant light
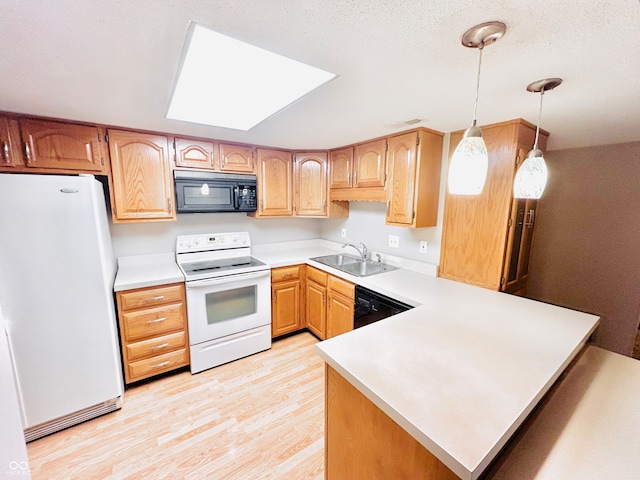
532	174
470	161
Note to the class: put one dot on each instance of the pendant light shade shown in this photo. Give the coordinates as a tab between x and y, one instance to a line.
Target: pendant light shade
469	164
531	178
470	161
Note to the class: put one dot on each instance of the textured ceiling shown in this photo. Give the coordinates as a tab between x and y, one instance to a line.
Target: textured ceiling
115	61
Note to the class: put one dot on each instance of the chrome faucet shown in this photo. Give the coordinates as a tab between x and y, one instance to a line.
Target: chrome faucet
362	251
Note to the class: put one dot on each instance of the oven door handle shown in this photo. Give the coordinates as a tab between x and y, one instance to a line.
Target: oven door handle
228	279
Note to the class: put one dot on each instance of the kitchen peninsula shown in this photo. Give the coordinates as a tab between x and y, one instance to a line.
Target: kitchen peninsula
459	374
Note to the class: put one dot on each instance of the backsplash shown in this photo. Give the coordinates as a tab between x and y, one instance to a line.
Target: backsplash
159	237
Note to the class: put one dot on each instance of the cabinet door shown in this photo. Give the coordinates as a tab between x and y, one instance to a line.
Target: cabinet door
316	312
402	176
236	158
142	183
10	143
275	183
340	167
194	153
285	312
339	314
62	146
370	164
310	174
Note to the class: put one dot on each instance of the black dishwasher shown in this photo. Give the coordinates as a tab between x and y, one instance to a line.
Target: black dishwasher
371	306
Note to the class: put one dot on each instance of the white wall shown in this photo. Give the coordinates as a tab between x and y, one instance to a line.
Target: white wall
160	237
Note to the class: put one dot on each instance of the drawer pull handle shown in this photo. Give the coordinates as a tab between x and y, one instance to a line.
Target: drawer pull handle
157	320
288	275
160	365
154	299
5	152
159	347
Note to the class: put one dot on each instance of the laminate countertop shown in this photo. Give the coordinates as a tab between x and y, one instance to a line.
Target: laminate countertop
462	371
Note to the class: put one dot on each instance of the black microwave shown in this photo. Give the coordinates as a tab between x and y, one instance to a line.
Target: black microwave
208	192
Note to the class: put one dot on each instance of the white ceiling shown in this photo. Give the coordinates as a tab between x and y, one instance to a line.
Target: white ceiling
114	62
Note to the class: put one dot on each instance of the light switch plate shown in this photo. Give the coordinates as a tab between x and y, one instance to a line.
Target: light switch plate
343	233
394	241
423	246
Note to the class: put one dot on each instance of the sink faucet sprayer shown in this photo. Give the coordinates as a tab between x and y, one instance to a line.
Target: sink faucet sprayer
362	252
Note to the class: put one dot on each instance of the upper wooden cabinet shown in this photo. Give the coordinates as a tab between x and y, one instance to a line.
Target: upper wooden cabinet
486	239
369	166
10	143
142	185
341	166
236	158
53	147
366	179
311	187
414	162
275	183
194	153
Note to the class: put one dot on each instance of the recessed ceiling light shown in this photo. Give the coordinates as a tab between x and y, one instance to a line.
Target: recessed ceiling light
228	83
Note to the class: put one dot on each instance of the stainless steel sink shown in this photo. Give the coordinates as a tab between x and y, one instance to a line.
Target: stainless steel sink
354	266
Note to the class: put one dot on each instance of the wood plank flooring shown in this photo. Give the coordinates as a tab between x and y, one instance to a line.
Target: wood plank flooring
261	417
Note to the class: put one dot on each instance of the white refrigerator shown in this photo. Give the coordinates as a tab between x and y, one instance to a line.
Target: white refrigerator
56	278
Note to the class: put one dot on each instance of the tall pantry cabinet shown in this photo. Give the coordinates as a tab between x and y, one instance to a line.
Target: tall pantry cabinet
487	239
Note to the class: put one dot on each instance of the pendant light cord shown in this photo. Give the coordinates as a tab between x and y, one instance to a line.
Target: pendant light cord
535	144
475	108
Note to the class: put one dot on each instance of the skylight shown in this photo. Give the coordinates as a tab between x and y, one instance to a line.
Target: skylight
228	83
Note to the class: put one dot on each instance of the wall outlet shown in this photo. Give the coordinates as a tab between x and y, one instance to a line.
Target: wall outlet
423	246
394	241
343	233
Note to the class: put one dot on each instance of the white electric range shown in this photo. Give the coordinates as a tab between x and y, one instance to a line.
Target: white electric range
228	298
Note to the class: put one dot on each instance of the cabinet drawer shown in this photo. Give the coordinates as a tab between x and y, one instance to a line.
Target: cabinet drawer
155	346
149	297
158	364
285	273
342	286
317	276
153	321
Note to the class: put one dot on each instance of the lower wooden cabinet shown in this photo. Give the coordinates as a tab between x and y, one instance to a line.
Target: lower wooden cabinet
329	304
153	330
287	302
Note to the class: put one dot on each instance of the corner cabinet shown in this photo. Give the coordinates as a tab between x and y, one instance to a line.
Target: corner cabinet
142	185
360	173
414	163
487	239
39	146
275	183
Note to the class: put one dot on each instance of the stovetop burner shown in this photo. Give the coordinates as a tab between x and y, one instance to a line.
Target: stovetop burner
216	255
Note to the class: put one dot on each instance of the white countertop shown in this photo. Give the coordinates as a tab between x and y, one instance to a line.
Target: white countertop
147	271
588	428
462	371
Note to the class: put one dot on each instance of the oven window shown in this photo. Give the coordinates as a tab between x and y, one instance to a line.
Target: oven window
230	304
215	195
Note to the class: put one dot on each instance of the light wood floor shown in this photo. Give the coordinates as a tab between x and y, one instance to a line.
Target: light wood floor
261	417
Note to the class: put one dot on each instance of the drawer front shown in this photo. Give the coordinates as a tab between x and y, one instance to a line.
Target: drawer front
158	364
285	273
150	297
153	321
342	286
155	346
317	276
